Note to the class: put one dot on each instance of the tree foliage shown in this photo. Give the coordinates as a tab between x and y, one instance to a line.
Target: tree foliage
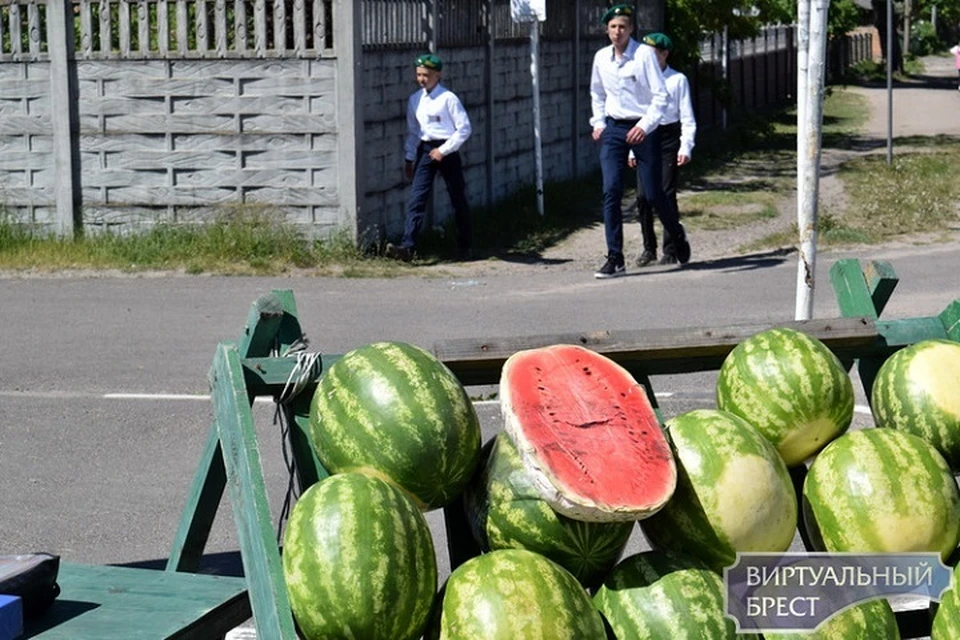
688	20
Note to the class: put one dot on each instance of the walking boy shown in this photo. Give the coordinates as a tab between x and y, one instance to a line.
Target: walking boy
678	128
437	126
628	96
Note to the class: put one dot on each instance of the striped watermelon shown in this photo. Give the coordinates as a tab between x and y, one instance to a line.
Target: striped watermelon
917	390
881	490
359	561
397	410
586	433
660	595
506	511
946	622
515	594
791	387
733	493
872	620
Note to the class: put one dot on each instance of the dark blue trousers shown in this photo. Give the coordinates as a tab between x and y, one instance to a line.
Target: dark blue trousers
613	158
424	172
669	148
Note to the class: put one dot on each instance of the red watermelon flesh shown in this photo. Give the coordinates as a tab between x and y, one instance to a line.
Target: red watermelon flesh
587	433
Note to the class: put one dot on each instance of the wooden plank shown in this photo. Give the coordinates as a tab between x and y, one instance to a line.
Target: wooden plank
850	289
881	282
261	556
263	322
200	510
122	603
649	352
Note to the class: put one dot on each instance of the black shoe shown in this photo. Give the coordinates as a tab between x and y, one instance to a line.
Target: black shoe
647	257
668	258
398	253
612	268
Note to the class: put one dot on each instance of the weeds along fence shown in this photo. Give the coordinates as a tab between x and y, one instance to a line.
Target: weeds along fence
120	114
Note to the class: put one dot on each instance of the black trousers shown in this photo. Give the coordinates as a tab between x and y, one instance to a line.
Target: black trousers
669	148
424	172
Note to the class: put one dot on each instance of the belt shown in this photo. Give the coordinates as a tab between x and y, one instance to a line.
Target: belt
629	122
432	143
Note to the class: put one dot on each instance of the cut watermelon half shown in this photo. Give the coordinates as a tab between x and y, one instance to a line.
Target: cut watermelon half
587	434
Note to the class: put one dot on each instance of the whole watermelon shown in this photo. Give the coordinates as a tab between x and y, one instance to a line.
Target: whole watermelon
506	512
359	561
881	490
791	387
394	408
661	595
946	622
733	492
871	620
514	594
917	390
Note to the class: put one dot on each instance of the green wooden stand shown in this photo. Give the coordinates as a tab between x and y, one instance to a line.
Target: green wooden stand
256	365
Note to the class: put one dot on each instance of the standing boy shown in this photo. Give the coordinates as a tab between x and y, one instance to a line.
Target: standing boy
678	128
628	96
437	126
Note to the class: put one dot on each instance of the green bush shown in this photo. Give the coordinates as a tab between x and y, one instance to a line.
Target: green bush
923	39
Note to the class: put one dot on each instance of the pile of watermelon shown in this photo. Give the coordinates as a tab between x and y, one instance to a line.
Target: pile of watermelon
582	461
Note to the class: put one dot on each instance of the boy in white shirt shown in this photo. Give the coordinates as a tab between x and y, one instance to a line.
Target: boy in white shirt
678	129
437	126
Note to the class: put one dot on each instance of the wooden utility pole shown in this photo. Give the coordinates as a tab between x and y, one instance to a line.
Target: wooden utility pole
907	10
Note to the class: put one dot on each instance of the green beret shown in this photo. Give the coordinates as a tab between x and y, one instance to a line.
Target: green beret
658	40
616	11
430	61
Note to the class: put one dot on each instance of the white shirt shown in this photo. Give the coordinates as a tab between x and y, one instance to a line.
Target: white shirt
626	89
680	108
437	115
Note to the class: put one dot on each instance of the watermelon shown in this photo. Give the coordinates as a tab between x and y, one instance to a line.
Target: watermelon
506	512
871	620
586	433
662	595
734	492
396	410
881	490
917	390
791	387
515	594
359	561
946	621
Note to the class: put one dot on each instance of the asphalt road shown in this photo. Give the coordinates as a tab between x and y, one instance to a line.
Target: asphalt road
103	410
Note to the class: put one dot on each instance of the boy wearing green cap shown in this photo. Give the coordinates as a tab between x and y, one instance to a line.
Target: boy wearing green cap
437	126
678	128
628	97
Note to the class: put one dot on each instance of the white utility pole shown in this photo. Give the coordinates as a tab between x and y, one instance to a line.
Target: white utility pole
811	75
534	12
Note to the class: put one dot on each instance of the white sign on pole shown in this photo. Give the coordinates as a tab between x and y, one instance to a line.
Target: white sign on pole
528	10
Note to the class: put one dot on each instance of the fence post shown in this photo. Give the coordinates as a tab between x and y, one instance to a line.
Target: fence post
490	128
64	117
347	29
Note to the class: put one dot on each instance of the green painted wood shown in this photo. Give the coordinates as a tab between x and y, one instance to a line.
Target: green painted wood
950	318
269	376
263	322
309	468
863	293
881	281
200	510
122	603
248	497
851	291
